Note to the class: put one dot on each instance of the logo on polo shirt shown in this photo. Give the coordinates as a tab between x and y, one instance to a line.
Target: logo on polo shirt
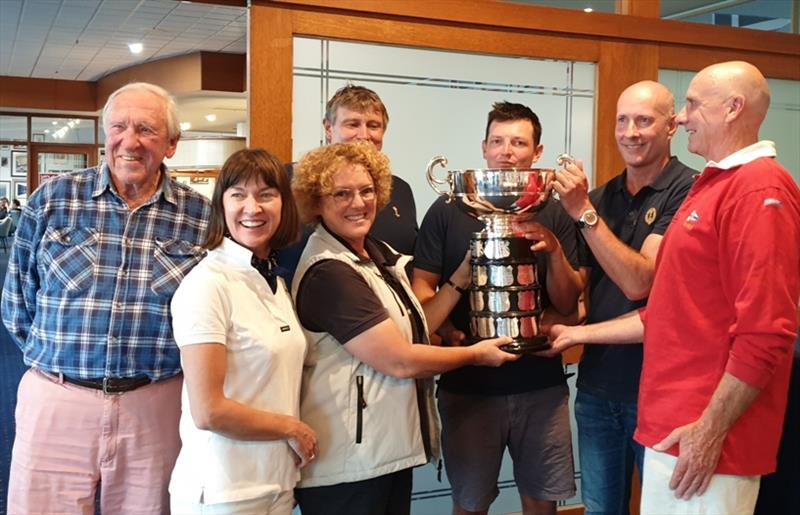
693	218
650	216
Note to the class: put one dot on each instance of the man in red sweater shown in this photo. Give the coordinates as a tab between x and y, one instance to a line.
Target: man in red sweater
720	324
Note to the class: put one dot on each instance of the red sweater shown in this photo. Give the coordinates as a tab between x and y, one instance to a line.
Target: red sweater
724	296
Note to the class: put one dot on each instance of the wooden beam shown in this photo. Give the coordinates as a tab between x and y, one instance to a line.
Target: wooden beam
53	94
648	9
620	66
426	34
270	80
554	21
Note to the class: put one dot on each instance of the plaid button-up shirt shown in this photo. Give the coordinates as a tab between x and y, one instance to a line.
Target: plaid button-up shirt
89	282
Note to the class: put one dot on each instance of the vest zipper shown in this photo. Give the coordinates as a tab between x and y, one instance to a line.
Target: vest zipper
362	404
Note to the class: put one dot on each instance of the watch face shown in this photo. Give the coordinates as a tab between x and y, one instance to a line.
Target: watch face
590	217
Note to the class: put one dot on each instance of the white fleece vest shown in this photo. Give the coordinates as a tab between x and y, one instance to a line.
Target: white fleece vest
368	424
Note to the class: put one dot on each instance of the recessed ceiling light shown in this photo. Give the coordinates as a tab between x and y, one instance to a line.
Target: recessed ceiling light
54	122
136	48
588	10
185	126
211	117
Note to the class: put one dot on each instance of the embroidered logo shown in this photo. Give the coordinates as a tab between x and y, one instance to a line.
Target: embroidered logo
772	202
396	212
650	216
693	218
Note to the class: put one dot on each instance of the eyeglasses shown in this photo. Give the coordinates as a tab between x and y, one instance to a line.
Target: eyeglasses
345	196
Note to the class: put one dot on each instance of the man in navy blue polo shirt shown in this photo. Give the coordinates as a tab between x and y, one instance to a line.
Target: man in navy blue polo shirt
622	222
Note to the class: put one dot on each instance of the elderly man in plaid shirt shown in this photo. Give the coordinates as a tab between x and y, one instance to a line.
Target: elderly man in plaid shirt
97	257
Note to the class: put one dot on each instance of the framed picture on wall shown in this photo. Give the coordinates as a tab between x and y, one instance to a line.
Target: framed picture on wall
19	164
20	190
5	187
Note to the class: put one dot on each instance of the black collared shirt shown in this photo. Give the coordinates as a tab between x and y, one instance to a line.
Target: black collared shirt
350	307
612	371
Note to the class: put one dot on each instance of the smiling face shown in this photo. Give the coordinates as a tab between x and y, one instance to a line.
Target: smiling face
137	140
252	215
349	209
510	144
645	125
703	117
355	125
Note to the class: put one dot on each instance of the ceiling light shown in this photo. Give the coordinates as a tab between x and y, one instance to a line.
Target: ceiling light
588	10
136	48
54	122
211	117
185	126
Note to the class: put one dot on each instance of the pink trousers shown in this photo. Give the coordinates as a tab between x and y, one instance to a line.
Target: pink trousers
72	439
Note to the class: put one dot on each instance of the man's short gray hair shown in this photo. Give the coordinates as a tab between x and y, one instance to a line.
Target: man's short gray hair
171	108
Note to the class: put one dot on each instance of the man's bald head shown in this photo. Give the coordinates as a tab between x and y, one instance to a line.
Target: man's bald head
644	127
739	78
654	93
725	106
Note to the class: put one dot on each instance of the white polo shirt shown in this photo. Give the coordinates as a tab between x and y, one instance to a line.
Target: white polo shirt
225	300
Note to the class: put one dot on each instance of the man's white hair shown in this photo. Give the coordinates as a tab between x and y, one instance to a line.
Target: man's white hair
171	108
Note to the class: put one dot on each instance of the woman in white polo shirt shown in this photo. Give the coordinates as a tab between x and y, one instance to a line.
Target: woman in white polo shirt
242	351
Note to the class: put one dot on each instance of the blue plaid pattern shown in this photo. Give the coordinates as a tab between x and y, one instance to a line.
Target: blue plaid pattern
89	282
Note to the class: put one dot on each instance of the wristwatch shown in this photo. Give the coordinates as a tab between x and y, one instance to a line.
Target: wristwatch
588	218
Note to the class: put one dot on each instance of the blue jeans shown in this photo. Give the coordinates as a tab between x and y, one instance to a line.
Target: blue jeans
607	452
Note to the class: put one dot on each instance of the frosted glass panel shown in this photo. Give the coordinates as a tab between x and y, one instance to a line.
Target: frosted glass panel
438	103
782	124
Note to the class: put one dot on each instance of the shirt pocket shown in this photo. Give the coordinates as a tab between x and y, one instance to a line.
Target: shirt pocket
69	257
172	260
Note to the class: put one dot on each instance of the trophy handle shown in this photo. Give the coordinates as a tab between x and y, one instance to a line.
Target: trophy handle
562	160
434	182
565	159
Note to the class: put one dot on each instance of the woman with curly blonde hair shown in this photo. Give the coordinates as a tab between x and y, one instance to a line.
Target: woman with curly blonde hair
367	391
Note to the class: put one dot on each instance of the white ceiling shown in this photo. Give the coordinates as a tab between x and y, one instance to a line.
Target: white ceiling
88	39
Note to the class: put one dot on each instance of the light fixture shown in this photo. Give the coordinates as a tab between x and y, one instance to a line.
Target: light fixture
588	10
211	117
185	126
54	122
136	48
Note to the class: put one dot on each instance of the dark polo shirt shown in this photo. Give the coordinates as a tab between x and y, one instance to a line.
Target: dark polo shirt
612	371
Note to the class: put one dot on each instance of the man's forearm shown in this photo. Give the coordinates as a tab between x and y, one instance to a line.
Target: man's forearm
730	400
627	268
627	328
564	283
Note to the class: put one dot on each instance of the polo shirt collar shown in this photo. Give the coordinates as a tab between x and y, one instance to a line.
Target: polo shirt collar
763	148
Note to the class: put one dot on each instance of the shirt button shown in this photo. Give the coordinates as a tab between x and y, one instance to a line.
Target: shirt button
112	339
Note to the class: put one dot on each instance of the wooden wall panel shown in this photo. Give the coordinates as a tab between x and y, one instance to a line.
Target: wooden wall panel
270	80
64	95
620	66
223	72
685	57
422	34
511	16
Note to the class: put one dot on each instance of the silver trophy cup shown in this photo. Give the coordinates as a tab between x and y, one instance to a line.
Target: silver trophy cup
504	296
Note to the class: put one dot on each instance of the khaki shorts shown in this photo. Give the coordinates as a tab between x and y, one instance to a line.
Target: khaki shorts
476	429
